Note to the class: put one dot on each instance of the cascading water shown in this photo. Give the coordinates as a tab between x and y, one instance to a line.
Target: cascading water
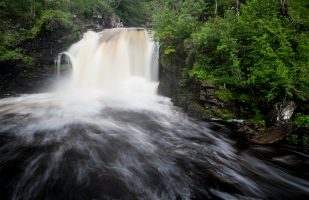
106	134
114	59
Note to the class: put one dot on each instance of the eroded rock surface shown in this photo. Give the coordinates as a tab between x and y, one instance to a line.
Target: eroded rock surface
281	113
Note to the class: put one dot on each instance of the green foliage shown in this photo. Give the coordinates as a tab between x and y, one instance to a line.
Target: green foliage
258	118
224	94
23	20
81	7
14	31
51	20
199	73
173	27
169	50
305	140
293	139
296	139
15	56
301	120
132	12
260	55
224	113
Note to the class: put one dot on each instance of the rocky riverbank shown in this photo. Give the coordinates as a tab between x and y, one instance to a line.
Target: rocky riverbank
205	101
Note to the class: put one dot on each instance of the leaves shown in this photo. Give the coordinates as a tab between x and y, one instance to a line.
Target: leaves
260	55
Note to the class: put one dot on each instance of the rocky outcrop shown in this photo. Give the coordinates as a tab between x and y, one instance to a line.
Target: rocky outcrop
271	135
281	113
207	95
196	98
261	135
48	44
278	125
44	49
200	100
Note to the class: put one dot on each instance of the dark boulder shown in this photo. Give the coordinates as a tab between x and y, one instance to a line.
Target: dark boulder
271	135
281	113
277	121
207	95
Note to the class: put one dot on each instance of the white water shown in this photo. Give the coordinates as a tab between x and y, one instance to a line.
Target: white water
116	62
106	134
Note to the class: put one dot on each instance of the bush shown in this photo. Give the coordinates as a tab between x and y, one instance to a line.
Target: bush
301	120
261	55
51	20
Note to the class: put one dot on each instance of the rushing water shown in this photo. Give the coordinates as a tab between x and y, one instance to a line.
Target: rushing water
106	134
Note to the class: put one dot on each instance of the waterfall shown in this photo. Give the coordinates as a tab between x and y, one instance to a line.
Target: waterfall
106	134
120	60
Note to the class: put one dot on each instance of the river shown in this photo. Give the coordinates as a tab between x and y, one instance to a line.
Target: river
104	133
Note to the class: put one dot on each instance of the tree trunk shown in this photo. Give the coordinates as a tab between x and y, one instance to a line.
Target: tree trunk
283	6
237	8
216	7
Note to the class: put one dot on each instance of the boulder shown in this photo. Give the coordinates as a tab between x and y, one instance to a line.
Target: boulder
281	113
271	135
246	130
207	95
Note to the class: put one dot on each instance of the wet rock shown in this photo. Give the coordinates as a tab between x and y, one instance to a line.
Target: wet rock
207	95
288	160
271	135
212	100
203	95
193	96
116	22
277	122
281	113
208	86
196	110
246	130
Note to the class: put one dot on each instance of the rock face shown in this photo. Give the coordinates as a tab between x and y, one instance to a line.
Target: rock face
44	49
194	97
199	100
281	113
183	92
207	95
48	44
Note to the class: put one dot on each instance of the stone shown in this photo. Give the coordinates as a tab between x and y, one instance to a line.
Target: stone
281	113
212	101
246	130
207	85
195	110
271	135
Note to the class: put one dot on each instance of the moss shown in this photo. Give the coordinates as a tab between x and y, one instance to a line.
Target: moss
257	120
165	61
184	97
183	82
64	67
223	113
260	123
196	110
224	95
71	37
